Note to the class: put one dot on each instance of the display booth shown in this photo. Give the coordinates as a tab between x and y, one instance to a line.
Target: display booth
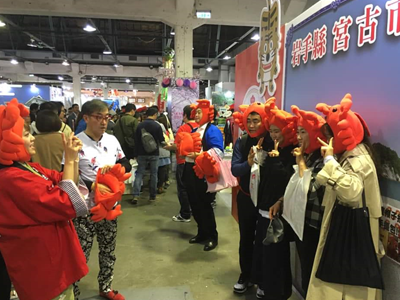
335	48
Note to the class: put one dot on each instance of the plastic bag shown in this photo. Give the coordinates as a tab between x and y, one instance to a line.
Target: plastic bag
275	232
295	200
254	182
226	179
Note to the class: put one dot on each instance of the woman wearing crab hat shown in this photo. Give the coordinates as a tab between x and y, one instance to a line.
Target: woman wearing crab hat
37	240
271	263
346	264
309	163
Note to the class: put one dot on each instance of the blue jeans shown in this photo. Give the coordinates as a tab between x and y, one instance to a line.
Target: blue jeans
142	164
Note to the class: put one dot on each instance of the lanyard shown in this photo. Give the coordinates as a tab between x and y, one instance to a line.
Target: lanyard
33	170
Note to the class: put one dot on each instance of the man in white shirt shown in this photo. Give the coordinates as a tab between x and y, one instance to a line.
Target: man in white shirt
100	150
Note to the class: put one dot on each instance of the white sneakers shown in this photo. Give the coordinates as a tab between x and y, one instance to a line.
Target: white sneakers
260	293
179	218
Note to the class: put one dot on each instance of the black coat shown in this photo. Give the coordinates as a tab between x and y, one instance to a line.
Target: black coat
275	174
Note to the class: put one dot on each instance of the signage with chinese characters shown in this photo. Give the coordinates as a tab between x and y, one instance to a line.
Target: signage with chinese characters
390	231
316	42
268	48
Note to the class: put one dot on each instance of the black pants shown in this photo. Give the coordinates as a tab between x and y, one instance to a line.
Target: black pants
307	249
247	214
271	264
162	176
5	282
200	202
182	193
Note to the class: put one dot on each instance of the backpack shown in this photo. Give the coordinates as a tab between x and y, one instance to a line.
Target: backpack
148	142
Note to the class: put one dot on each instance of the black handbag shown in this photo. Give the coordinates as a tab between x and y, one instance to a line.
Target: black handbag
349	255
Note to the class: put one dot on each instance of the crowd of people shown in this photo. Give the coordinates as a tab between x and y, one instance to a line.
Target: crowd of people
337	155
53	158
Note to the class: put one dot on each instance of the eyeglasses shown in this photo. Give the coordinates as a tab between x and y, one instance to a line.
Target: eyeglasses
100	118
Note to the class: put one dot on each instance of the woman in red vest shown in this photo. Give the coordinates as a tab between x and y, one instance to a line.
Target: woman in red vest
37	239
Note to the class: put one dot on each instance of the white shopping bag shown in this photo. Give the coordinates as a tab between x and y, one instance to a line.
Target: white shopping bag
254	182
255	174
295	201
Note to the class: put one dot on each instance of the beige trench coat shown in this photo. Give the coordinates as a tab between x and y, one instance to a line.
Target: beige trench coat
346	180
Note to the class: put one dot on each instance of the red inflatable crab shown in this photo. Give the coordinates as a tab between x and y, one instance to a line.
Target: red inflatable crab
114	179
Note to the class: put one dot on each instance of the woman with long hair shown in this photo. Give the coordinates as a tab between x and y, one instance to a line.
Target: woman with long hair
349	173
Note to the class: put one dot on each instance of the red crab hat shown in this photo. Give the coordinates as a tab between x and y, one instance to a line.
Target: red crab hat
206	107
283	120
312	123
245	110
11	128
347	126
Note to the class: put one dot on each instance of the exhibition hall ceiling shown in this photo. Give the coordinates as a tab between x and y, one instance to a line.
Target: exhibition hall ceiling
66	37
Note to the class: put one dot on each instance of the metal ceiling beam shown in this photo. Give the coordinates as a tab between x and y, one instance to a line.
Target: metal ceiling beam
102	39
53	37
8	21
63	29
209	41
233	44
169	39
218	35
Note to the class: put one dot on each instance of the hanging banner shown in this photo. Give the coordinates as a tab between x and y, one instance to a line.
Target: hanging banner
180	97
340	47
268	48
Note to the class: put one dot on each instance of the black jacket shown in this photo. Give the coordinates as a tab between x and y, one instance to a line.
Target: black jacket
274	177
240	167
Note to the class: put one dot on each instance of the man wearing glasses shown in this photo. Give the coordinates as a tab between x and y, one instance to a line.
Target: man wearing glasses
100	150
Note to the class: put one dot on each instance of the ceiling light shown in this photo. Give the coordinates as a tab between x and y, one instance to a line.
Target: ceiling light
34	89
94	78
82	82
89	28
60	78
5	88
127	80
209	69
226	57
65	63
14	61
32	44
172	32
107	52
117	65
102	83
31	75
2	24
255	37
